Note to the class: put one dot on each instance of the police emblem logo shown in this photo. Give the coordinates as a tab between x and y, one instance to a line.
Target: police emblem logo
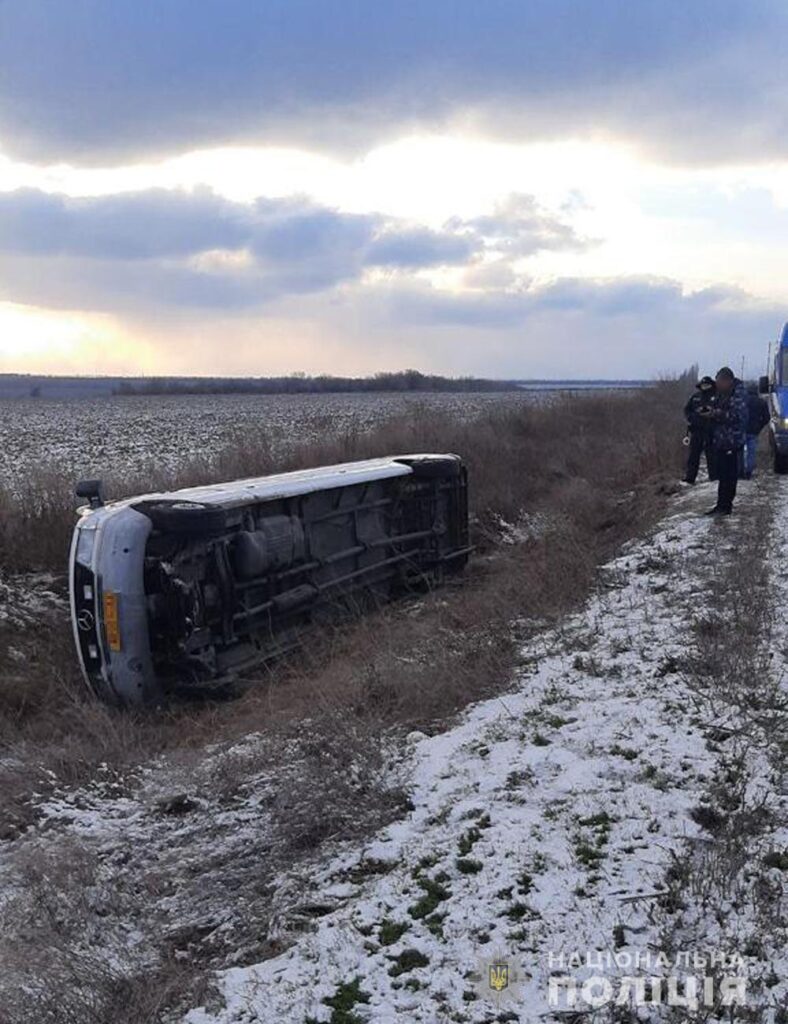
498	977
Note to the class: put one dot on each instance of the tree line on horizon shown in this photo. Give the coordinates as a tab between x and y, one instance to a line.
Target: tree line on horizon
301	383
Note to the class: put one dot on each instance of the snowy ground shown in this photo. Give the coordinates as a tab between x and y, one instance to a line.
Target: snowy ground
131	434
548	822
558	822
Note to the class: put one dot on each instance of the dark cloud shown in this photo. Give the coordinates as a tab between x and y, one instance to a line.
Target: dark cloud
141	225
195	249
91	80
419	247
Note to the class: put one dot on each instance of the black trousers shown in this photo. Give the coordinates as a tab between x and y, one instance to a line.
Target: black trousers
700	442
728	464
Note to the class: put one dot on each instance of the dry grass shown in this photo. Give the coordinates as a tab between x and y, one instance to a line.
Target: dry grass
54	969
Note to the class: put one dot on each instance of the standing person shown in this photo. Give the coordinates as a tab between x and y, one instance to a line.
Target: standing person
729	418
758	416
699	429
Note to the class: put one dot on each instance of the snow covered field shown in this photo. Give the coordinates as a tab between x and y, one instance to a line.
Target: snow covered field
625	799
127	435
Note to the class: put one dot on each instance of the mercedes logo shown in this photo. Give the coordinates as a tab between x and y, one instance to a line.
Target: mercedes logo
85	620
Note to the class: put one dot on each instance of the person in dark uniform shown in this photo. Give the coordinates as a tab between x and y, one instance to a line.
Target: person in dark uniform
699	429
728	416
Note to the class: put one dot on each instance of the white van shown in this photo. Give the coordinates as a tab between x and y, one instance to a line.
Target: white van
194	587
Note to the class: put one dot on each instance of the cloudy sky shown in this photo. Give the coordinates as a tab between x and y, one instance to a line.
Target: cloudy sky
505	188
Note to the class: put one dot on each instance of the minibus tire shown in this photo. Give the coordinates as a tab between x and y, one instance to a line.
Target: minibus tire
187	518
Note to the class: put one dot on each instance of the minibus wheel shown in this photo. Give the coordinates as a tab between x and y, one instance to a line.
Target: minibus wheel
189	518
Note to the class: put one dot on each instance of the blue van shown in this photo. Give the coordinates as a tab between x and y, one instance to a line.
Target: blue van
776	387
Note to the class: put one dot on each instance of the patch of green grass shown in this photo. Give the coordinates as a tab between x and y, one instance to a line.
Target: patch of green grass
368	868
590	850
408	960
390	931
589	856
539	740
557	721
552	811
434	924
347	996
425	864
525	883
468	866
481	817
600	820
434	894
520	911
468	840
518	779
776	859
554	695
628	753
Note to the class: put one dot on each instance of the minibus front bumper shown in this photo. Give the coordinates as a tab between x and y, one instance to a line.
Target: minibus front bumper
109	611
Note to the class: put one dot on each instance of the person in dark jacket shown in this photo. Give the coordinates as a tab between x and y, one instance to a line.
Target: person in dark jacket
728	416
758	416
699	429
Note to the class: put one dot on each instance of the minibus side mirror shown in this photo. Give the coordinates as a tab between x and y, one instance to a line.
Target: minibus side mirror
93	490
